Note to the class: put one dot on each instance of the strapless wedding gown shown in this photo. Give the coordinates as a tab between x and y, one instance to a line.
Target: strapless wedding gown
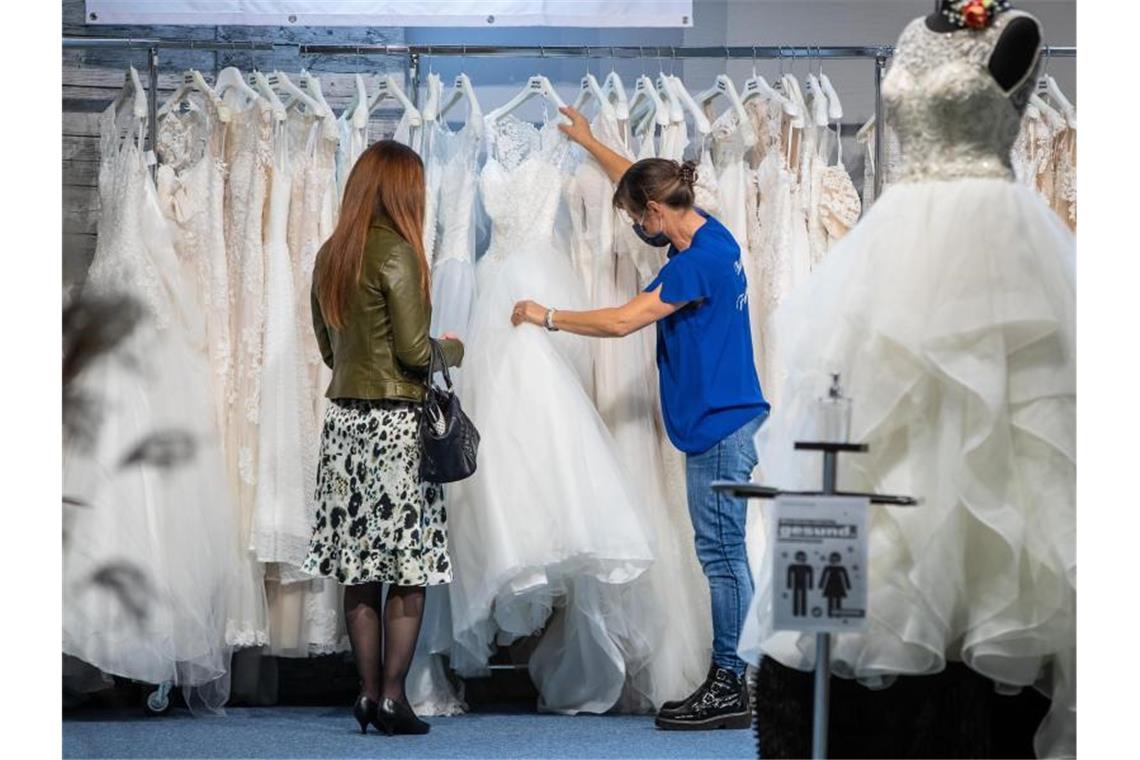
548	518
949	311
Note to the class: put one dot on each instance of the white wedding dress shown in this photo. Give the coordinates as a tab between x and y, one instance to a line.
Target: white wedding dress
949	311
166	533
530	532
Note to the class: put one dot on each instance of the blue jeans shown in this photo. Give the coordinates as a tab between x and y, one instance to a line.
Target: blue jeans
719	525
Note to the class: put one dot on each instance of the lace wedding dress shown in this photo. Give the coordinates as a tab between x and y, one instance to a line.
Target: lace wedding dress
961	364
249	155
166	533
191	188
528	532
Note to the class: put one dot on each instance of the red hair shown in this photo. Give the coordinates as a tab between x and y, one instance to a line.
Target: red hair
387	179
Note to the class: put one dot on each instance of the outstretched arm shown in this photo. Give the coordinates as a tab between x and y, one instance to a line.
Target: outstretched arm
615	322
578	130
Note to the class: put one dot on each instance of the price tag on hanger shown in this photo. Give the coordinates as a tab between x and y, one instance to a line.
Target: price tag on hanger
818	552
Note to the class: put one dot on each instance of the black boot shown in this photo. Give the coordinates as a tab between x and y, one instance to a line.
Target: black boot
673	705
397	717
721	702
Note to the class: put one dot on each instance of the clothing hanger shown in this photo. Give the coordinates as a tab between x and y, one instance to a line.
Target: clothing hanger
298	97
1038	108
654	109
591	90
757	87
193	81
390	88
834	106
357	110
700	118
264	90
724	86
230	77
1047	86
791	88
819	101
430	111
614	92
312	85
668	93
132	88
463	89
537	85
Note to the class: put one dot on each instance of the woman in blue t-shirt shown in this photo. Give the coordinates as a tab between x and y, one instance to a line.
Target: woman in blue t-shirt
710	395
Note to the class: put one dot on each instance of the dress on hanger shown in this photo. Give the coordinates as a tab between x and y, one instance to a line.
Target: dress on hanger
956	343
166	533
672	654
249	154
304	613
453	256
191	186
784	250
527	531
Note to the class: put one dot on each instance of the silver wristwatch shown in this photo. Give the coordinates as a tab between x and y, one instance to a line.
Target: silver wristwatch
549	321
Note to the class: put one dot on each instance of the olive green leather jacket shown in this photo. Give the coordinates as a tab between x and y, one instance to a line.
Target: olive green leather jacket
383	350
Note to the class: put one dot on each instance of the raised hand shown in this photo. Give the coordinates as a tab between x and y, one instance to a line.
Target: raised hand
578	129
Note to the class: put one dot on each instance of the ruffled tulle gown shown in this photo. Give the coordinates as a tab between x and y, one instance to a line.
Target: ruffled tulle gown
949	311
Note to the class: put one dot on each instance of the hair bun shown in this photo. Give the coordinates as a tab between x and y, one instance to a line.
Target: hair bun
688	173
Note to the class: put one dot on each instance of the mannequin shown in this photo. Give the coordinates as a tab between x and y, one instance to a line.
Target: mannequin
1016	50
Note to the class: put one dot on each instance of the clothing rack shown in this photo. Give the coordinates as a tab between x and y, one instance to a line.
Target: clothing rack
878	53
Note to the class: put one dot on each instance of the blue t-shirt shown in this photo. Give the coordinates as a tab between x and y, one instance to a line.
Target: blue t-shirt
709	387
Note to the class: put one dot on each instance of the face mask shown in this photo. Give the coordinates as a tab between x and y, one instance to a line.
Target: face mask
660	240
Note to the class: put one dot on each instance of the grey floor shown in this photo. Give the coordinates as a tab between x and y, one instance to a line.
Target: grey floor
293	732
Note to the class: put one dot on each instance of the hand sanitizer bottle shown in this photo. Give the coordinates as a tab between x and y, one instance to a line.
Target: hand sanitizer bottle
834	414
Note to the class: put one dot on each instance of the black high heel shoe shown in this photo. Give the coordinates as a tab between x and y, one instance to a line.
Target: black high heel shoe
364	710
394	717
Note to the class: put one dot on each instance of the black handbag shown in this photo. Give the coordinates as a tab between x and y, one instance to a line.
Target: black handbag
449	441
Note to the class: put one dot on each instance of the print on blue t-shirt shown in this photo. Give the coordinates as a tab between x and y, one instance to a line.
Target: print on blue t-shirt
709	387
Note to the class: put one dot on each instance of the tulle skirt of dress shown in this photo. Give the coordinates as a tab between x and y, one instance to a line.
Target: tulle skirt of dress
548	518
167	532
950	313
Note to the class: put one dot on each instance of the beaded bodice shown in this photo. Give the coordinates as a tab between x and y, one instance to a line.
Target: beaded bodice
952	118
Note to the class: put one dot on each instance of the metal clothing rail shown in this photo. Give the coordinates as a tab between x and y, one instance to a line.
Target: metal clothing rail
878	53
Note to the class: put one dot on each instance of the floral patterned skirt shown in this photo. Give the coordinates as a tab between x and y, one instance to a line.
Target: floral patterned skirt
375	519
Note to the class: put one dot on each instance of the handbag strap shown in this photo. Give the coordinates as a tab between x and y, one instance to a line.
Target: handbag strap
437	355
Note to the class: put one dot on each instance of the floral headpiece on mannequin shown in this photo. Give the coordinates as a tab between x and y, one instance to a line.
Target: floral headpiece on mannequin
974	14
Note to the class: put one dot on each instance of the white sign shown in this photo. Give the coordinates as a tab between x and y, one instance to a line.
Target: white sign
819	555
484	13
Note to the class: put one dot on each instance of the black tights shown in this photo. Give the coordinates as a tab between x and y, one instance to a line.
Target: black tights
403	611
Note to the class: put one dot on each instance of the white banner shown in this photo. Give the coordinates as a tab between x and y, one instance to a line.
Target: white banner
484	13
